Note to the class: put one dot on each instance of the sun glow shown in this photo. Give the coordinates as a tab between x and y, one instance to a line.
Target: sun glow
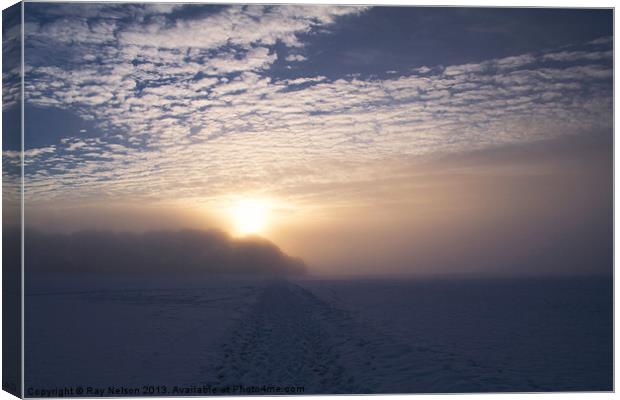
250	216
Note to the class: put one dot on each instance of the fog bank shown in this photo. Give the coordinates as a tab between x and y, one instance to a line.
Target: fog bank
181	251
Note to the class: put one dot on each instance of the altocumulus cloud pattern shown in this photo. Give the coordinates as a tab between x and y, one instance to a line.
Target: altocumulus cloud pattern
160	100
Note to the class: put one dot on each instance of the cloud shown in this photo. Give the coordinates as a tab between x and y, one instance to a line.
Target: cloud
578	55
238	25
254	59
11	50
176	252
188	108
161	8
602	40
39	151
295	57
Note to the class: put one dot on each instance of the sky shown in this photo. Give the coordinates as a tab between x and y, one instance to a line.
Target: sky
377	139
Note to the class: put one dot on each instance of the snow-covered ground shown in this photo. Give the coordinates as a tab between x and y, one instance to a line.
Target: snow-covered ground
327	336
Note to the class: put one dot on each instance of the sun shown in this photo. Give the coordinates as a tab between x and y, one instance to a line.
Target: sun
250	216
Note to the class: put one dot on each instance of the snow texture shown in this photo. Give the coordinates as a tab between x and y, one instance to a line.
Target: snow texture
327	336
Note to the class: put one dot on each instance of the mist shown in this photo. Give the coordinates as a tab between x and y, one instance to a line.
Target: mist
185	251
543	208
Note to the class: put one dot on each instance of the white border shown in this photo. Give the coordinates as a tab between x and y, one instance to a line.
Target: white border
457	3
